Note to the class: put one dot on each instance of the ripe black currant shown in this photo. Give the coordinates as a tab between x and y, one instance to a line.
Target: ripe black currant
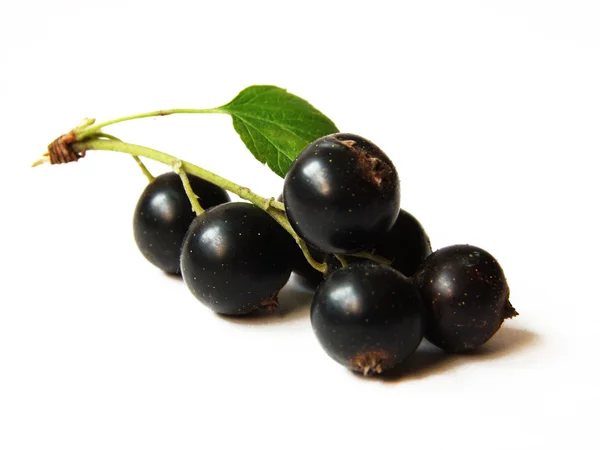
465	294
406	244
341	194
235	258
368	317
163	215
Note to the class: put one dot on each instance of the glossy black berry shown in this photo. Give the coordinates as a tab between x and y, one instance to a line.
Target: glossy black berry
465	295
163	215
368	317
341	194
406	244
235	259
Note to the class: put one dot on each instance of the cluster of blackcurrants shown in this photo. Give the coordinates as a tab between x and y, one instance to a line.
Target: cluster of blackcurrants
342	197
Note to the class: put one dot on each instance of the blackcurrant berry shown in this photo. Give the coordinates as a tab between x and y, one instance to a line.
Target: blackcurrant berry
465	295
368	317
163	215
235	259
341	194
406	244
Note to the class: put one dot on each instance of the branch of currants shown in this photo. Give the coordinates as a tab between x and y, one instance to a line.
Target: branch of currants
335	184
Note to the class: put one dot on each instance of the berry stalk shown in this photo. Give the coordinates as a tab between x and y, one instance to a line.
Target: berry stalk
137	159
87	129
68	148
193	198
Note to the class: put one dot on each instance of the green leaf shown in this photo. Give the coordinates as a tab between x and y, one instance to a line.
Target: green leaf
276	125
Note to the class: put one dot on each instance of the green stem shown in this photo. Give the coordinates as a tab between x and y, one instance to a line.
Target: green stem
137	159
277	205
145	170
146	152
242	192
86	132
188	188
372	257
321	267
282	220
342	260
100	134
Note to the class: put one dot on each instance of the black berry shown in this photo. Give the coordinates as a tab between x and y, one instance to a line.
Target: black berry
406	244
163	215
465	294
235	259
341	194
368	317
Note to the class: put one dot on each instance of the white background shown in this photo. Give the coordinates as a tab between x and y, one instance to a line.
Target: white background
491	111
